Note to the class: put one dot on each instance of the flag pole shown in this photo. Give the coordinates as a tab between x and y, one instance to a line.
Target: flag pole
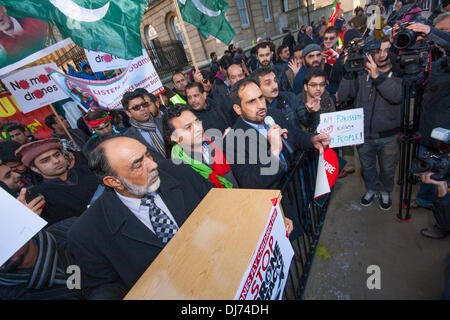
62	125
177	8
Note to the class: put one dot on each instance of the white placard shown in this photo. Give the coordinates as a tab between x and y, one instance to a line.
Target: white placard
267	273
346	128
33	88
100	61
18	225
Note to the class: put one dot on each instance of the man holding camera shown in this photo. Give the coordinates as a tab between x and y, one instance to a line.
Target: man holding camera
435	111
378	92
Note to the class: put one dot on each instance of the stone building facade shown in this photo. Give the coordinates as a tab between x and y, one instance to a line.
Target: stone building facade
250	19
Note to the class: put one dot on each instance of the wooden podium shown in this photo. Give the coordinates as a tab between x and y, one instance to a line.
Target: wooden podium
208	256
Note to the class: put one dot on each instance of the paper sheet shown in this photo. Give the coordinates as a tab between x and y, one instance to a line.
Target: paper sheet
18	224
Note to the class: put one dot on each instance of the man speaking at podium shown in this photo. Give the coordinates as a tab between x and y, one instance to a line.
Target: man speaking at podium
253	166
145	204
259	158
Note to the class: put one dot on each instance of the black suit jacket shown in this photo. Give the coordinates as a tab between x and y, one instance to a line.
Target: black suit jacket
249	174
307	40
132	132
114	248
213	117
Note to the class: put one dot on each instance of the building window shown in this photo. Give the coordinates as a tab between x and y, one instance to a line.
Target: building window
177	31
243	13
266	10
285	5
150	32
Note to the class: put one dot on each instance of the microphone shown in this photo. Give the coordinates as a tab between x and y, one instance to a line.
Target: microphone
270	122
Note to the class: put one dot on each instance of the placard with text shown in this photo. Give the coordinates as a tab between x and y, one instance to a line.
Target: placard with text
268	270
346	128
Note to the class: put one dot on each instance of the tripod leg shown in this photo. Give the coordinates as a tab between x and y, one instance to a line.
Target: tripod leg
401	177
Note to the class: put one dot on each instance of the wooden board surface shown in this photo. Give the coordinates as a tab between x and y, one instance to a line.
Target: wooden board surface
207	257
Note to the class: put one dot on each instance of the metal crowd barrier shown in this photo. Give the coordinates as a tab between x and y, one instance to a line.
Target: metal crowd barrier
298	189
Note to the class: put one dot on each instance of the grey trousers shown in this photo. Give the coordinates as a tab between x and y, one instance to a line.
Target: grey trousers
387	152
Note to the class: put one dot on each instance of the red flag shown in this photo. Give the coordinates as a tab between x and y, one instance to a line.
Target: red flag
334	14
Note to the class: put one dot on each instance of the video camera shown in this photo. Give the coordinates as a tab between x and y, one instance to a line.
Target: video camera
357	50
434	162
438	163
414	56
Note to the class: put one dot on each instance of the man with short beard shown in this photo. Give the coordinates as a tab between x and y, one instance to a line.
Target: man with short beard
265	56
312	57
67	192
293	109
144	205
179	80
378	92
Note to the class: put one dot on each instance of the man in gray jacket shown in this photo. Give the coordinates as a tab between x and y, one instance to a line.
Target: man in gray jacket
379	93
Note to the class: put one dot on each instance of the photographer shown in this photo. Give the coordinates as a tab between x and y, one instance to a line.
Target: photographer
376	90
435	105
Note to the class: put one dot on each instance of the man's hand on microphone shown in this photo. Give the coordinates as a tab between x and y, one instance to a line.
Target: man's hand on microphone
274	138
321	141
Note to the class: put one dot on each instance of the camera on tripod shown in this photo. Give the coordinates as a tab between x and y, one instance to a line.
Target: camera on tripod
357	51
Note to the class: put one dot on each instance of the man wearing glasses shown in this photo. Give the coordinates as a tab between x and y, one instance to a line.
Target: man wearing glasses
314	95
143	126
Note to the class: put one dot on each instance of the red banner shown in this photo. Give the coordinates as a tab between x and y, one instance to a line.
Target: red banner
34	120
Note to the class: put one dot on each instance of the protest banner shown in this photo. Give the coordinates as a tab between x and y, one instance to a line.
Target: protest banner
100	61
18	224
107	94
10	112
346	128
32	88
268	270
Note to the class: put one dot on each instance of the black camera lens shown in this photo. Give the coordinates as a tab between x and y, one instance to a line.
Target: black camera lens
404	39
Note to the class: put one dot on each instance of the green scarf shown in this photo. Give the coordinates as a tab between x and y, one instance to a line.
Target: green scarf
201	168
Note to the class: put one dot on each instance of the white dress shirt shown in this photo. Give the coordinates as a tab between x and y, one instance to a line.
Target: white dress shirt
142	212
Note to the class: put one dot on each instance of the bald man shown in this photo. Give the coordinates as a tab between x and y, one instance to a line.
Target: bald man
122	232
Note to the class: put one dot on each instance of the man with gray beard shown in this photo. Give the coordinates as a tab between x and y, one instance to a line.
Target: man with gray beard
126	228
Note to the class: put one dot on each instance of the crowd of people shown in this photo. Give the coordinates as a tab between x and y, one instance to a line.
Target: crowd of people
117	189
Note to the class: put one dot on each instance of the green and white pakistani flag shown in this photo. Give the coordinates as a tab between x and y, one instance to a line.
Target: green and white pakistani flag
111	26
209	17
